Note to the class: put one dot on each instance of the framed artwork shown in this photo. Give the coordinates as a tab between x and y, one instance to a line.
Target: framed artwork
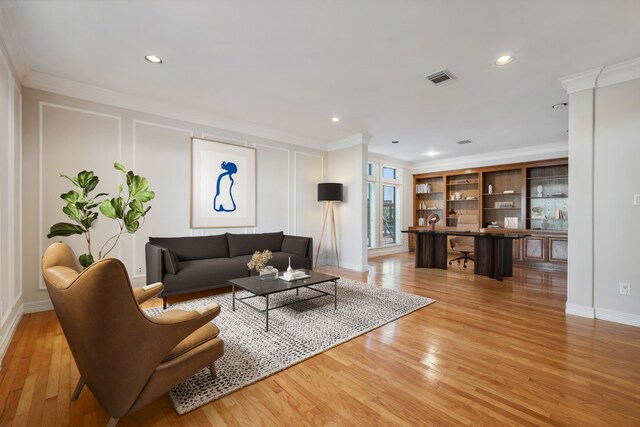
510	222
223	184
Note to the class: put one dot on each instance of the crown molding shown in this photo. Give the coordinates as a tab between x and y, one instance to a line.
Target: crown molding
390	161
619	73
517	155
581	81
61	86
11	42
350	141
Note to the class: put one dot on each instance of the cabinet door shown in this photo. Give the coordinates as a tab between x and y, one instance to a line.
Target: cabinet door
558	249
534	248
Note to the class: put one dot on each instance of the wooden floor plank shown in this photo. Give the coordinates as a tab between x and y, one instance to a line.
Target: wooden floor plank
487	353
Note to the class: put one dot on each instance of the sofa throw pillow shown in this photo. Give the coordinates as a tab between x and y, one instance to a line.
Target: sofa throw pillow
170	261
246	244
295	245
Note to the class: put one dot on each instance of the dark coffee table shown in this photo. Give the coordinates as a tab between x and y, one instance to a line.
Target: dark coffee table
264	288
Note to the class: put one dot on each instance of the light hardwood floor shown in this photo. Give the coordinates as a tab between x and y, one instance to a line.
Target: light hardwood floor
487	353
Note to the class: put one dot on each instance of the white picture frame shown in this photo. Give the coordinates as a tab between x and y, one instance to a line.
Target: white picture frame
223	184
511	222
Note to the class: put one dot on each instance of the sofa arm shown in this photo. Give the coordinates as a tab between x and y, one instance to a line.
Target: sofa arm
153	258
310	251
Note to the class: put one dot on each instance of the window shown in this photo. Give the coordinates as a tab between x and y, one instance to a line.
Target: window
383	206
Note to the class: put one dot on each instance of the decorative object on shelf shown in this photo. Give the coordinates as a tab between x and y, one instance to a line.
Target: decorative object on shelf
493	224
510	222
432	220
421	222
428	188
458	195
470	198
508	192
452	212
539	189
329	192
503	204
223	184
537	213
555	194
559	214
490	190
79	207
259	260
544	225
453	197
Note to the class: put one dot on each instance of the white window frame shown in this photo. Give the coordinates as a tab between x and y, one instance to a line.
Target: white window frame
379	182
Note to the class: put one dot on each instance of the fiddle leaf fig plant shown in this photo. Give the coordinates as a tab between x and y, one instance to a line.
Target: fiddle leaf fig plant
127	209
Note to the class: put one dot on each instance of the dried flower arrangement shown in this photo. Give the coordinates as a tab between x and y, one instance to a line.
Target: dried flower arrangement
259	259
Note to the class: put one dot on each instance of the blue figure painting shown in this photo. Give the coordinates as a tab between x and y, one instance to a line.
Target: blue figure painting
223	201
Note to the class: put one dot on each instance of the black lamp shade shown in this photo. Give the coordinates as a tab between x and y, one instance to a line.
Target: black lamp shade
330	191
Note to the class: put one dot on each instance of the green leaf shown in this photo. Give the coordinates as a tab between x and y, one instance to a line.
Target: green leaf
92	184
107	209
119	189
146	210
83	178
88	220
130	176
120	167
136	205
132	216
100	195
72	212
85	260
64	229
144	196
119	205
132	227
74	181
70	197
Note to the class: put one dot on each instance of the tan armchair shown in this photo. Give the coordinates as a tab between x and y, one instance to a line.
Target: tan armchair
126	358
462	244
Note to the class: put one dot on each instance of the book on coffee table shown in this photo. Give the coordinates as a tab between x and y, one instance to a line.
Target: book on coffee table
294	275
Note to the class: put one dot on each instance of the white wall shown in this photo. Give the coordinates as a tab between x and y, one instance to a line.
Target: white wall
66	135
604	124
347	165
616	219
10	207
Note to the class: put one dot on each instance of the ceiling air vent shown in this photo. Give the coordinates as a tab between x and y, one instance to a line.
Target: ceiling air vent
464	141
440	77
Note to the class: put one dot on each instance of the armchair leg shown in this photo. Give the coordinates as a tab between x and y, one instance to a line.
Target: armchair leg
76	392
212	369
112	422
164	303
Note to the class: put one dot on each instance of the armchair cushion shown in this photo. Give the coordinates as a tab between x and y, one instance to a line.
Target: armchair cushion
170	261
295	245
200	336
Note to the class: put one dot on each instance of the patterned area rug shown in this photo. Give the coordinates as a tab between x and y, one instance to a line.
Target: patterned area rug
296	333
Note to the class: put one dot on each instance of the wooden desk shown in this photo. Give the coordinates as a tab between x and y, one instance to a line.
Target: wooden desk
492	251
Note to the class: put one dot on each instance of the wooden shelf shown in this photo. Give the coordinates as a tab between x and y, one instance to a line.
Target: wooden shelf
548	197
431	192
500	209
464	200
547	219
462	183
502	194
548	177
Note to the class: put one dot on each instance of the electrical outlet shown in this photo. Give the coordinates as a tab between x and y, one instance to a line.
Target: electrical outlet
139	270
625	289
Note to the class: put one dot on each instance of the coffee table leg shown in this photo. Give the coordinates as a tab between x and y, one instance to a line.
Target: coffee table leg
233	297
335	294
267	313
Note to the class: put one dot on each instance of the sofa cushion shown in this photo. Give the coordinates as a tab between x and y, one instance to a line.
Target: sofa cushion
170	261
295	245
203	274
192	248
245	244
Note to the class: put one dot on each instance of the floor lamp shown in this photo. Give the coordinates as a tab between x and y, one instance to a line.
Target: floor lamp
329	192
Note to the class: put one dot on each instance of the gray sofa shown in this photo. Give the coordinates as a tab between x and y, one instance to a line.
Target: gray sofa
191	264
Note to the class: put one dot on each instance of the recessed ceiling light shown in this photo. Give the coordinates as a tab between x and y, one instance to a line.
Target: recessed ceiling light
504	60
154	59
335	119
559	106
431	153
394	142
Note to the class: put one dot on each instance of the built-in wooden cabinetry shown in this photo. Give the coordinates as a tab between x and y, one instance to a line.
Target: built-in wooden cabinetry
529	197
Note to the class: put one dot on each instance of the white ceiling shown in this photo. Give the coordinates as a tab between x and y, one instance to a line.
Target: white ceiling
293	64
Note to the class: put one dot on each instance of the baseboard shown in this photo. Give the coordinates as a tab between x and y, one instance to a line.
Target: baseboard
376	252
618	317
37	306
580	310
5	340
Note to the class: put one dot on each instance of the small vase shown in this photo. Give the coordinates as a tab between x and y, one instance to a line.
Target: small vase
269	273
